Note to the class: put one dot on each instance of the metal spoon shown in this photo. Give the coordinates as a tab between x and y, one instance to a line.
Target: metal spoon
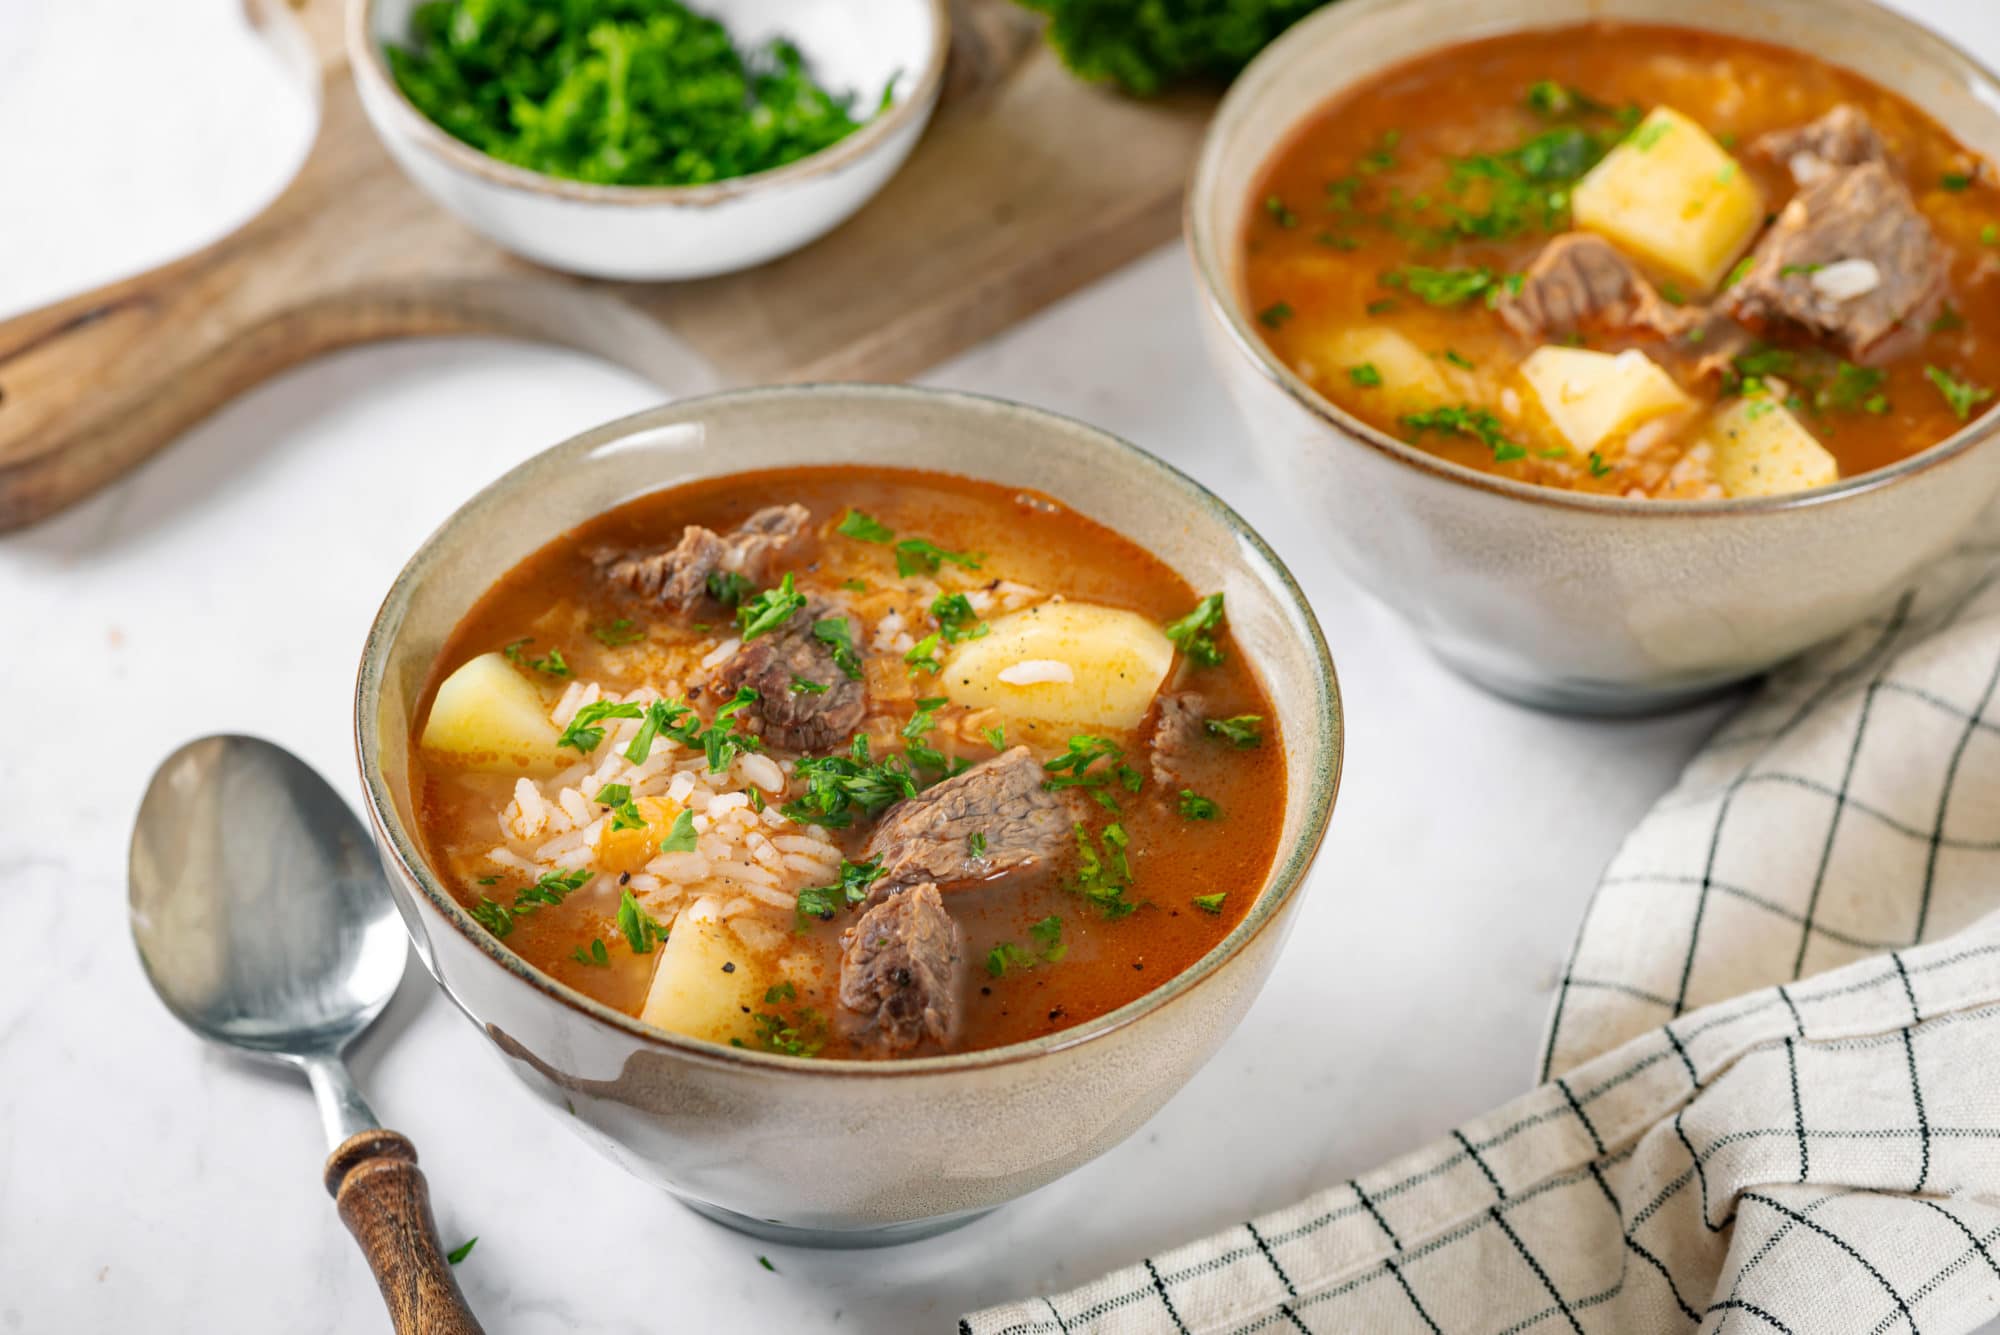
262	919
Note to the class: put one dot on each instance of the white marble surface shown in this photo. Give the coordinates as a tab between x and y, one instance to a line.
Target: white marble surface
148	1183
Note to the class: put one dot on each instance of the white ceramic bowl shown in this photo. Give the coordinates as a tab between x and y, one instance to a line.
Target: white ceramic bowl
827	1152
669	232
1555	598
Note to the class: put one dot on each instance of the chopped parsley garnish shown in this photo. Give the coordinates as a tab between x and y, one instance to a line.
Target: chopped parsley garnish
1989	235
666	717
838	787
553	665
722	745
801	1036
765	1261
1191	633
1074	769
1458	359
1275	314
1598	468
619	633
834	634
956	618
1741	271
642	930
727	587
863	527
1381	306
921	556
583	735
1196	807
1243	731
1962	395
1948	320
1103	877
855	585
1646	136
1364	376
1440	287
806	686
490	880
463	1250
1050	949
1786	271
1463	420
920	725
624	811
680	839
551	889
975	843
924	654
1007	955
597	957
1211	903
1956	182
770	609
1851	389
996	737
1279	212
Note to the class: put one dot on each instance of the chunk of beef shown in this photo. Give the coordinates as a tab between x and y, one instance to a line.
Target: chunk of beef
775	662
1177	730
1844	137
899	971
678	575
1849	259
1580	282
929	837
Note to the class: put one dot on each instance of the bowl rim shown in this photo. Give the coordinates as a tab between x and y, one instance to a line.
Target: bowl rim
1321	773
364	54
1205	253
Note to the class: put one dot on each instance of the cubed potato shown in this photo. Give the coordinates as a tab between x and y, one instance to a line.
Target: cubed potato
692	992
489	717
1063	662
1411	380
1591	397
1760	449
1670	195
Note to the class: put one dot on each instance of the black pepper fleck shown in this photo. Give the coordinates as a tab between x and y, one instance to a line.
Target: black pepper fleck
729	967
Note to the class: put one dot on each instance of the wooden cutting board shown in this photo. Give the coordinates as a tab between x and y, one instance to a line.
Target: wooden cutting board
1026	186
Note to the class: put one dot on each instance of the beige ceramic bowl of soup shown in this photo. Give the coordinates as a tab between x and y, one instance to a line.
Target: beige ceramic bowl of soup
846	1152
1555	598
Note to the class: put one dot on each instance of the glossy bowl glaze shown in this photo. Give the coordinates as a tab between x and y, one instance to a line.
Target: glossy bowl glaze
894	1149
671	232
1554	598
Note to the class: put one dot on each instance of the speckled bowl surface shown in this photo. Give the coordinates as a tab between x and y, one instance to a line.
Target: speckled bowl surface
1555	598
895	1149
672	232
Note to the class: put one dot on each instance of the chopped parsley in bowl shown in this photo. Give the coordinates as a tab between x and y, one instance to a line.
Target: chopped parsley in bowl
617	92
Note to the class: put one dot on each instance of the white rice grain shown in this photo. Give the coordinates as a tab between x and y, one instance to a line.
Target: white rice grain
719	655
762	771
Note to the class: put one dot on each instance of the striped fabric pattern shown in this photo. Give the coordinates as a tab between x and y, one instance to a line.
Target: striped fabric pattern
1772	1081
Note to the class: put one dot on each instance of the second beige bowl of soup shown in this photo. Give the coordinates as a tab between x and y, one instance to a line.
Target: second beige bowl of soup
829	990
1574	599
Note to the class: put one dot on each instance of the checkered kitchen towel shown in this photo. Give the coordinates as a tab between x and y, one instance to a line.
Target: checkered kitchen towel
1773	1072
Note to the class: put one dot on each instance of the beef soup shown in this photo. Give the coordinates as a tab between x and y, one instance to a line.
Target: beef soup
849	762
1635	260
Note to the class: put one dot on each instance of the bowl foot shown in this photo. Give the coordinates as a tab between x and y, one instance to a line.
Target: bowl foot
1601	699
840	1239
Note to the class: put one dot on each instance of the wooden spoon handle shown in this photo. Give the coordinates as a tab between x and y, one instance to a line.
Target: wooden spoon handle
385	1203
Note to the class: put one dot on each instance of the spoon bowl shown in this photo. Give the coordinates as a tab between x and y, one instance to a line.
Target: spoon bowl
257	902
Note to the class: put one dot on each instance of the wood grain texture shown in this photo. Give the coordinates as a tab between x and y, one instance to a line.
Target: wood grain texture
385	1203
1026	186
